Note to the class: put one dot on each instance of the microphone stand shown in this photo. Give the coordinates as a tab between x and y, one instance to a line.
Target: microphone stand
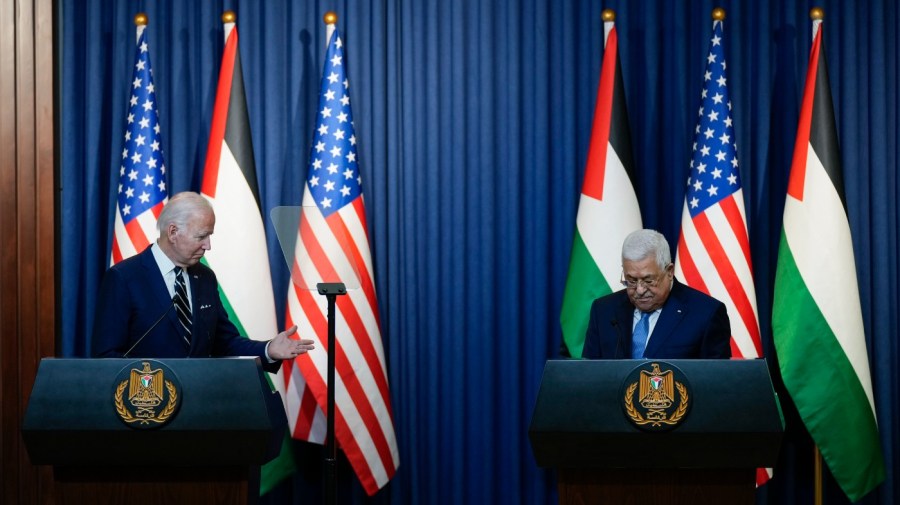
331	290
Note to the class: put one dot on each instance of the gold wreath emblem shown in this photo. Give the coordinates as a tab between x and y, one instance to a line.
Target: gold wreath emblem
162	417
638	419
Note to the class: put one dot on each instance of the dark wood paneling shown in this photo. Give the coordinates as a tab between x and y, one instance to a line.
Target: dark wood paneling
27	252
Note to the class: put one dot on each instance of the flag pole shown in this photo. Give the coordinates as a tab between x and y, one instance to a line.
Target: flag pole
330	290
817	15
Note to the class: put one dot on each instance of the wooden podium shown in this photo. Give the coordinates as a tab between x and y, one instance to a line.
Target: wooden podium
585	426
220	422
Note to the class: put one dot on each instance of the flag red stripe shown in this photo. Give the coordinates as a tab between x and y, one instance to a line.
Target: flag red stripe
801	146
220	118
348	309
307	413
116	252
595	171
692	276
342	365
136	234
727	274
736	222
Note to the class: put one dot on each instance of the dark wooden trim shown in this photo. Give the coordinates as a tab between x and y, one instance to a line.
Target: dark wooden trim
27	216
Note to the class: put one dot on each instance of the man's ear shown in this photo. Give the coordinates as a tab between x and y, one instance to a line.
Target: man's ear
171	231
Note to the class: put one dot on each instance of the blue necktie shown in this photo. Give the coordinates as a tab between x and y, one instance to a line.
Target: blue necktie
639	336
182	305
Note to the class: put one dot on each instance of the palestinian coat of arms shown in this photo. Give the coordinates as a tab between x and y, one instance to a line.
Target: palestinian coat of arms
145	397
657	400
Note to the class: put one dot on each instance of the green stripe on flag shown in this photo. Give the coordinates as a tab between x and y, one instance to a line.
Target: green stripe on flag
584	284
823	383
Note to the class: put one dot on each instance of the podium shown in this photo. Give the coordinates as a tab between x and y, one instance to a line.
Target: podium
587	424
216	421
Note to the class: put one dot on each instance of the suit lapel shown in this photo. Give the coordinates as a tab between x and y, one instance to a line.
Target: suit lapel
624	322
158	288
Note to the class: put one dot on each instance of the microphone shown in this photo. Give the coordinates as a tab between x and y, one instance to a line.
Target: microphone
150	328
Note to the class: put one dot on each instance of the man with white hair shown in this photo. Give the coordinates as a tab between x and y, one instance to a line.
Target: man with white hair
655	316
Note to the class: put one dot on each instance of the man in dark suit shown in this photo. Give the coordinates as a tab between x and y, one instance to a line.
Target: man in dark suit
138	312
655	316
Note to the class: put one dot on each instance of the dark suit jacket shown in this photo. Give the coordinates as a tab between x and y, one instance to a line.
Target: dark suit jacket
133	296
691	325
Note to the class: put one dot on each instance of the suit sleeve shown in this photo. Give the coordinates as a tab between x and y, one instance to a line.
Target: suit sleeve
591	348
717	342
110	336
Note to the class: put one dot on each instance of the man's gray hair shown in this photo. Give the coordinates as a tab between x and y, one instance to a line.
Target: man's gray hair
180	208
641	244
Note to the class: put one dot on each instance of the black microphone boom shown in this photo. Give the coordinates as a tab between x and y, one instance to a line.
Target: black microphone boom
150	328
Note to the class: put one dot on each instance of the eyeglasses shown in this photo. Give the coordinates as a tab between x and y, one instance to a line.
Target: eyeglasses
632	283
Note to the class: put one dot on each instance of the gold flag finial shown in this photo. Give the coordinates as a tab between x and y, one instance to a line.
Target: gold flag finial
816	14
229	17
608	15
140	19
330	18
718	14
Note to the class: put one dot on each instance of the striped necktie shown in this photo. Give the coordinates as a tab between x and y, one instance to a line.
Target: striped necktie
182	305
639	336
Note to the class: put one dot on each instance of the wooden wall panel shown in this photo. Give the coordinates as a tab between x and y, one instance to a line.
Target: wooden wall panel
27	236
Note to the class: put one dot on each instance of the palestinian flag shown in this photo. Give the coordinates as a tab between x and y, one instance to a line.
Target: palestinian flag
240	257
817	318
608	209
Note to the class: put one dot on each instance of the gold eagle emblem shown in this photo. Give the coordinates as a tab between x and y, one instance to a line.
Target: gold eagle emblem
657	396
147	391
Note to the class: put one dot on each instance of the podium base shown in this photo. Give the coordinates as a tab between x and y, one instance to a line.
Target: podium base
152	485
657	486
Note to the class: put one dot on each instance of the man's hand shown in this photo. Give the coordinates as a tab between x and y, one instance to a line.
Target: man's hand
285	347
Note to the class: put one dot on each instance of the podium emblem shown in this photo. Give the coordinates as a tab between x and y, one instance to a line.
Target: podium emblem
656	396
147	397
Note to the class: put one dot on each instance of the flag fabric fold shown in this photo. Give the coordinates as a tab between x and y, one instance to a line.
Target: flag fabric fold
817	317
240	256
333	238
141	192
608	208
713	251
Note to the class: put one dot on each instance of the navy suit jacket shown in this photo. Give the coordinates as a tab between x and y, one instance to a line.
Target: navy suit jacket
133	297
692	325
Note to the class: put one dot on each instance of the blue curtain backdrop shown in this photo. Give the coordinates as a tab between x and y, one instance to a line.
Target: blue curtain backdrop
473	119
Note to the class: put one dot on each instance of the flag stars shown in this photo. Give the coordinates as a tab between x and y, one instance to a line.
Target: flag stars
717	98
704	150
329	95
320	146
132	175
713	116
335	152
329	186
348	174
332	169
720	156
151	163
721	81
345	191
339	135
139	140
716	40
326	203
133	101
697	185
725	138
144	198
317	164
136	157
137	83
345	100
332	78
154	145
323	129
148	180
144	47
144	122
126	210
701	168
342	117
313	181
129	193
712	190
717	173
711	58
336	61
351	157
326	112
728	122
709	133
695	202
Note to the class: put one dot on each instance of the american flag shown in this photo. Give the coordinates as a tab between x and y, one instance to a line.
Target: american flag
333	246
141	192
713	253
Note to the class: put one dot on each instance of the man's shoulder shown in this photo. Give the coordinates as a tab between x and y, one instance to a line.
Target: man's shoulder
693	296
613	299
